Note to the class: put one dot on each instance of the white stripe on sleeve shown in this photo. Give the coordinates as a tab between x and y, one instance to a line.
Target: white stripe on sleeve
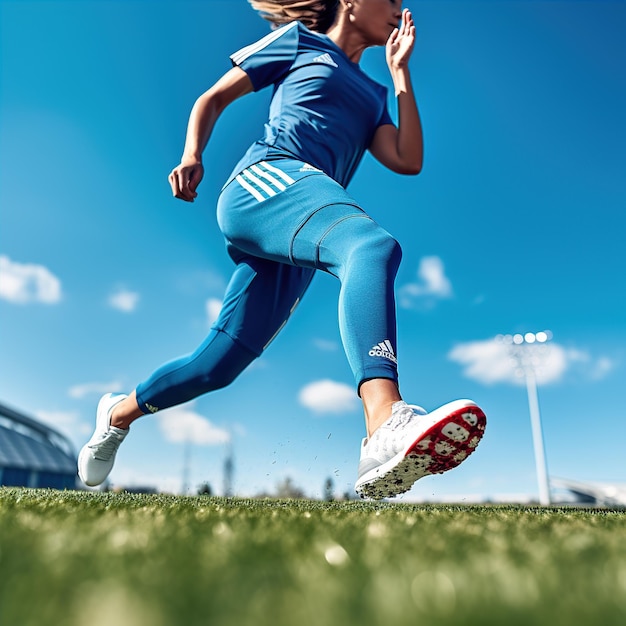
241	55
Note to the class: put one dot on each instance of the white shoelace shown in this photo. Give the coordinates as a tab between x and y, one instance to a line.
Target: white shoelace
107	446
403	414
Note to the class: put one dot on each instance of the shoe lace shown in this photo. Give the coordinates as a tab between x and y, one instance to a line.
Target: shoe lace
403	413
107	447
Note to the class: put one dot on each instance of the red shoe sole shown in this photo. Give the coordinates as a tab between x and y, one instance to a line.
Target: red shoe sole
450	441
442	447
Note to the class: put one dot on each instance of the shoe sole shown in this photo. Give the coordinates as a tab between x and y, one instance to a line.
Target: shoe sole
440	448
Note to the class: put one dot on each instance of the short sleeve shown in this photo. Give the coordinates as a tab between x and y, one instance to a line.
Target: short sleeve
269	59
385	117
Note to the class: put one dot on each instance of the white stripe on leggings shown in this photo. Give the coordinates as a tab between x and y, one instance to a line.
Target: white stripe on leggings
249	188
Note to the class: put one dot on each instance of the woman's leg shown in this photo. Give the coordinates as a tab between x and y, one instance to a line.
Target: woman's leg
259	299
378	396
287	231
314	223
365	258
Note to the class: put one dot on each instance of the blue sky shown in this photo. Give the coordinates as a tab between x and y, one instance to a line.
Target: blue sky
516	224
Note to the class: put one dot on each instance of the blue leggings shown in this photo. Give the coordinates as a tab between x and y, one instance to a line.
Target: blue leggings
283	220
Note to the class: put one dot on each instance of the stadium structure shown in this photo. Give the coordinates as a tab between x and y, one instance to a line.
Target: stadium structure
600	494
33	454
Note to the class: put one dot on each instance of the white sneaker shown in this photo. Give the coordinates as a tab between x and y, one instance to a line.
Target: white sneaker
413	443
96	459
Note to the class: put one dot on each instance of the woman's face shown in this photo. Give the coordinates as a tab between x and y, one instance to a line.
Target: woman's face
375	19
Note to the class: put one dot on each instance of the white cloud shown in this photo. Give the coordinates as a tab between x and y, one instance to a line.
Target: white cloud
124	300
432	284
213	308
86	389
328	396
239	430
486	361
201	281
23	283
67	423
602	367
326	345
490	362
181	424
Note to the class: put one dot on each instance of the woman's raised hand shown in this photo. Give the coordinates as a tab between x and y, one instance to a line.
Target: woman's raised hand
401	41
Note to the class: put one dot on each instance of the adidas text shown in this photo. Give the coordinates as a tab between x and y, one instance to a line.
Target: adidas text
384	350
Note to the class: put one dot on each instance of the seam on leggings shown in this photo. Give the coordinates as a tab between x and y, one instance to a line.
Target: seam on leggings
294	306
240	343
308	218
331	227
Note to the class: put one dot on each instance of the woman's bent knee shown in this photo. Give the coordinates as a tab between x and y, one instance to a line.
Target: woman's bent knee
360	243
378	249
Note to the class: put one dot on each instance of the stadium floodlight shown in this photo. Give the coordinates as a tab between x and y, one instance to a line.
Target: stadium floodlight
186	466
528	352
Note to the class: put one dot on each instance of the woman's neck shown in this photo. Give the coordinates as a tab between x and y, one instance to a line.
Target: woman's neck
346	38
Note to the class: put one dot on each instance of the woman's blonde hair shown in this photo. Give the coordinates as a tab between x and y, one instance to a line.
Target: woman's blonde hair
317	15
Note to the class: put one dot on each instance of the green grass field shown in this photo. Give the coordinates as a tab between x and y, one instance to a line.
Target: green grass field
92	559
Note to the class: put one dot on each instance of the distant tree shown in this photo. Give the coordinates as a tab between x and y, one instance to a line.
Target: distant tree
329	489
287	489
205	490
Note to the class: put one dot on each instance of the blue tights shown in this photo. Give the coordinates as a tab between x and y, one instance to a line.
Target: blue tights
277	242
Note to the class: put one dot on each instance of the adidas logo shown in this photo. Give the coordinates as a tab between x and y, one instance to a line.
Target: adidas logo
152	408
309	168
325	58
384	350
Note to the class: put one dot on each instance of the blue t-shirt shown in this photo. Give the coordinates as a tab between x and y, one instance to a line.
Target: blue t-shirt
324	110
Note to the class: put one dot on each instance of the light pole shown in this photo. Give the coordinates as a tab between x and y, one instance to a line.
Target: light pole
186	465
528	352
229	469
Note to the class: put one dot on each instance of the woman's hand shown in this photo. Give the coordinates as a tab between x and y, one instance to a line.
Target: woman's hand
185	178
400	43
401	148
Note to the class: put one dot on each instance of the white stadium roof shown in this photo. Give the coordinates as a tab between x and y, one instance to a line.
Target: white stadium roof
33	454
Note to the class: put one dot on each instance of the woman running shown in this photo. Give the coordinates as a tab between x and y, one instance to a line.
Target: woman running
285	213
